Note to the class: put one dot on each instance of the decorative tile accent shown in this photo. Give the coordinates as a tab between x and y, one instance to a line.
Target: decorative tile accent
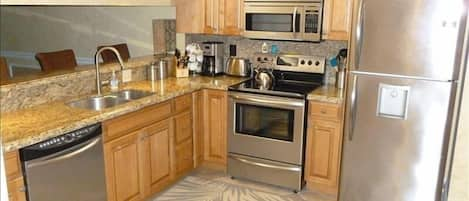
164	36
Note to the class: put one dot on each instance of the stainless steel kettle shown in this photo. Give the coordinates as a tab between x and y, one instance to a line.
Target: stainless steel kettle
238	67
264	78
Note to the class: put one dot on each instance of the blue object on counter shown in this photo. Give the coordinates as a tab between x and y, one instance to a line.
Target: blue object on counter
333	61
274	49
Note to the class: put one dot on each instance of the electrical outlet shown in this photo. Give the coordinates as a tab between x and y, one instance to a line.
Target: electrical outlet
126	75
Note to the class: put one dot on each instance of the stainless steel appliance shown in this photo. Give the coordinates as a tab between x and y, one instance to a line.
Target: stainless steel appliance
402	99
66	167
213	58
266	127
299	20
236	66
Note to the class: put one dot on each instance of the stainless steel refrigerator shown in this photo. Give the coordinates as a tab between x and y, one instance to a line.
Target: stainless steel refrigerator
405	62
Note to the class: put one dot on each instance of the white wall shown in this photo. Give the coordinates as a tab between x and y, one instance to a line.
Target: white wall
31	29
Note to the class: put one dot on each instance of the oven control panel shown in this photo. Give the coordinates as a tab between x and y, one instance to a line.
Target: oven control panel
301	63
290	62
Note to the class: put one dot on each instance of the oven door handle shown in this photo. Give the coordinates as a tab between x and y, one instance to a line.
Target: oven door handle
272	102
296	169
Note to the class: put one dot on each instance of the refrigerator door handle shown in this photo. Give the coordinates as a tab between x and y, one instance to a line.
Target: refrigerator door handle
359	34
353	106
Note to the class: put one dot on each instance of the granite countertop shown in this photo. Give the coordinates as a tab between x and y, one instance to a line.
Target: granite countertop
327	93
28	126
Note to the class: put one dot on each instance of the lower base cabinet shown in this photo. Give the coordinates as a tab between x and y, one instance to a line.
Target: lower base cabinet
16	190
215	126
123	163
151	152
323	148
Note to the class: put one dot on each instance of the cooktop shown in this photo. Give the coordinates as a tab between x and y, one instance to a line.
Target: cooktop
287	84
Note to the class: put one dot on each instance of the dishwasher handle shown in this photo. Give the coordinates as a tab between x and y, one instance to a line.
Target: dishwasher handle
65	154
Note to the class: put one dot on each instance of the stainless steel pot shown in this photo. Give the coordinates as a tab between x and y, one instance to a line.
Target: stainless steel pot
238	67
158	70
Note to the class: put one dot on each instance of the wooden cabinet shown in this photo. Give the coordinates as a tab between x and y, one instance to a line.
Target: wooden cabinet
124	168
323	148
15	182
218	16
197	111
337	19
16	189
190	16
183	143
215	128
156	156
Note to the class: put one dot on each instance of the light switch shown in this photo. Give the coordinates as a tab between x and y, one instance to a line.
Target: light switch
393	101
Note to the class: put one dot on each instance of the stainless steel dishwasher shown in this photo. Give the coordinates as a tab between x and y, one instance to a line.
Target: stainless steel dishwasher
67	167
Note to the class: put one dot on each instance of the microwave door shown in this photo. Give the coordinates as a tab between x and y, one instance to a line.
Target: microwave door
273	22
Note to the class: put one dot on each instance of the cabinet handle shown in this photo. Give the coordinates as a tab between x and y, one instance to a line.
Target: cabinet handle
122	146
22	189
323	111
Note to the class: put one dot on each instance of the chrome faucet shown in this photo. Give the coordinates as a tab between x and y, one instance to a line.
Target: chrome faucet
96	61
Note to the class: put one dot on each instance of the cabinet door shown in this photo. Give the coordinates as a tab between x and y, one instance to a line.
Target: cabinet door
198	127
337	18
183	127
184	158
123	168
156	156
16	189
230	17
322	155
211	18
215	117
190	16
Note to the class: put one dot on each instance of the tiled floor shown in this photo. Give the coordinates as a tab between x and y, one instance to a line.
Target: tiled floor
213	185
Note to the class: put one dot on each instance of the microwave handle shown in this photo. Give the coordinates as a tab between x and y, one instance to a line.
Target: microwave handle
294	19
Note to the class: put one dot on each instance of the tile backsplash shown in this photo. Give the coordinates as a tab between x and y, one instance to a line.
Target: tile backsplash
247	47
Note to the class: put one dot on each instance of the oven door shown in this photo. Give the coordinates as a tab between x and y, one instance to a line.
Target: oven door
267	127
272	21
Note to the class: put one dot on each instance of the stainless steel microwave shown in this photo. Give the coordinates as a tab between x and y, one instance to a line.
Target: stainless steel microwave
299	20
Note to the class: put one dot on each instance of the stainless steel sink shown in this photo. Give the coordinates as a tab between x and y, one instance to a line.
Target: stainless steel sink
132	94
107	101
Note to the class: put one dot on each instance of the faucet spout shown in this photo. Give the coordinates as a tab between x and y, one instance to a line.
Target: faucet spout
96	61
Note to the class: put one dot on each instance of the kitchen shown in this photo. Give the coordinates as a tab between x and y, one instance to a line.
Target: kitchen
186	119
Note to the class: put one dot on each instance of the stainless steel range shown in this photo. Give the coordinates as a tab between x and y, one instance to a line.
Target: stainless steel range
266	128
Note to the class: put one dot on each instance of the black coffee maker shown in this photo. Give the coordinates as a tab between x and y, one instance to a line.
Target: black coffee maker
213	63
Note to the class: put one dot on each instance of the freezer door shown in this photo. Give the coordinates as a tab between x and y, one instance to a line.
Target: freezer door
395	139
411	38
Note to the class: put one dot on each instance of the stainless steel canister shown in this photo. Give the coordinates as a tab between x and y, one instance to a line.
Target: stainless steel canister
158	70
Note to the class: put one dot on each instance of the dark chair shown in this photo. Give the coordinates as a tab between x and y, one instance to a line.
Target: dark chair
4	72
109	57
59	60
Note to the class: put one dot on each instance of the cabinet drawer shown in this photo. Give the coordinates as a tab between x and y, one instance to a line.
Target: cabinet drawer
122	125
183	103
184	157
325	110
183	127
12	165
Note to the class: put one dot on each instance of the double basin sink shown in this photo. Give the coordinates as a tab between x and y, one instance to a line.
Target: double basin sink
98	103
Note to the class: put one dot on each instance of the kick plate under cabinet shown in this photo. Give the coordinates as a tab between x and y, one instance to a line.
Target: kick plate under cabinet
393	101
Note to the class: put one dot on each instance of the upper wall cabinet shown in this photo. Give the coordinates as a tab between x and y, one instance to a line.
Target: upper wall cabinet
90	2
209	16
336	24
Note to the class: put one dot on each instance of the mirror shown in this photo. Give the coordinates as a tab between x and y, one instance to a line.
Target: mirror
28	30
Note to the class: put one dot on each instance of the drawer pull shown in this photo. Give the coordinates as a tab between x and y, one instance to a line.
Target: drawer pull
323	111
22	189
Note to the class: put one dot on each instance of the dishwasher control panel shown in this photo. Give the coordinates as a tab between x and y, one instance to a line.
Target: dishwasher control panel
61	142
